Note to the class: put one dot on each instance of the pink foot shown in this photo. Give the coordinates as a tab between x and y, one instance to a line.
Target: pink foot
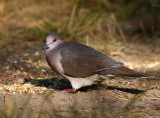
68	91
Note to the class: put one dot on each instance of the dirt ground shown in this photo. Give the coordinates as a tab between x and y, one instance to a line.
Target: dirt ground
103	101
29	88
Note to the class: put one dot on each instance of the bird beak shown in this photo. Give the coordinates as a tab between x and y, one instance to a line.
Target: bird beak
45	47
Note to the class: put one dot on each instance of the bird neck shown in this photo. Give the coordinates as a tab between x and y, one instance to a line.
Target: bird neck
51	47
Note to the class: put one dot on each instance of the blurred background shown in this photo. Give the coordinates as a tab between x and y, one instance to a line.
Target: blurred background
111	26
128	31
125	30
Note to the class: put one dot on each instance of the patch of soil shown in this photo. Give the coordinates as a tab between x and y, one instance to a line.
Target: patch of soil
99	101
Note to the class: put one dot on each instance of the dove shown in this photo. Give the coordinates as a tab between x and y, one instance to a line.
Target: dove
80	64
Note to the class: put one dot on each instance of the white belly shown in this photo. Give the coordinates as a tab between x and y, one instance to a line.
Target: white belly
82	82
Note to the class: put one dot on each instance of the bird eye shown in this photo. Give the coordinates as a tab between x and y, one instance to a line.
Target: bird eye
54	40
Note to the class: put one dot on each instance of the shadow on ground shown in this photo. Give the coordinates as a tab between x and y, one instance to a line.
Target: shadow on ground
61	84
127	90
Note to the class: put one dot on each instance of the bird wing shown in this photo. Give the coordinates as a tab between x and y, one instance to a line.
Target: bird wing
79	60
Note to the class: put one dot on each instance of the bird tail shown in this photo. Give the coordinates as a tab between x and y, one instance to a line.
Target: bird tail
124	71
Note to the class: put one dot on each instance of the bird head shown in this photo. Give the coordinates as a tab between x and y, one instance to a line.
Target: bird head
52	41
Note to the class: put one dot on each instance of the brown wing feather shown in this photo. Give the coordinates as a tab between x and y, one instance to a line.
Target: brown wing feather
123	71
79	60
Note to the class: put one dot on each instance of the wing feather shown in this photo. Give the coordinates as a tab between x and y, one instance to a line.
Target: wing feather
79	60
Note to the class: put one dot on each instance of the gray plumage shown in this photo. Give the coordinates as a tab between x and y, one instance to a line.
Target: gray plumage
75	60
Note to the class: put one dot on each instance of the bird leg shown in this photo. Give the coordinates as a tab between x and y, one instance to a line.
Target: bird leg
68	91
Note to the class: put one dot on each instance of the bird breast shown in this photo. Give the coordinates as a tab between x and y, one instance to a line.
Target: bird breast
54	61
